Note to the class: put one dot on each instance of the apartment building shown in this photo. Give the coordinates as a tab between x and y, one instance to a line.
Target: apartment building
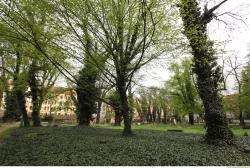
60	104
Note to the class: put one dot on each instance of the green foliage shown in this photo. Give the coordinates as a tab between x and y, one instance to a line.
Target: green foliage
86	91
113	98
244	96
231	104
184	95
78	146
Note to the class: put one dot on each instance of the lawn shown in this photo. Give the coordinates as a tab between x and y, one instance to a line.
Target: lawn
195	129
102	146
6	129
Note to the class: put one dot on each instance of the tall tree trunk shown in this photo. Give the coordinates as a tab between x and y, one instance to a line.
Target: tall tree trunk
149	115
18	90
154	113
241	117
118	116
124	107
164	116
33	83
131	103
99	105
191	118
159	115
87	79
35	110
22	107
207	71
86	107
12	112
86	100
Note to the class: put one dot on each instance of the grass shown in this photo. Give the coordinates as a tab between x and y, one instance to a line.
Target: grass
195	129
7	129
101	146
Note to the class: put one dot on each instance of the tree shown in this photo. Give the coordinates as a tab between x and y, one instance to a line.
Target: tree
235	67
164	98
183	90
206	68
20	85
11	110
102	89
125	32
26	23
141	104
15	96
41	77
244	96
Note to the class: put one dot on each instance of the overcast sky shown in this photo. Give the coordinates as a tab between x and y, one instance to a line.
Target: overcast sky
236	31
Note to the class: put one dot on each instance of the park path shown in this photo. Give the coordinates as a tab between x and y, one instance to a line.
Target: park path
6	128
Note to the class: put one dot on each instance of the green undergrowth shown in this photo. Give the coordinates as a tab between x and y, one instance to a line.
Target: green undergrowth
101	146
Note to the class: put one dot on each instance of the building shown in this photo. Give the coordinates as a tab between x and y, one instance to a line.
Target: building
59	102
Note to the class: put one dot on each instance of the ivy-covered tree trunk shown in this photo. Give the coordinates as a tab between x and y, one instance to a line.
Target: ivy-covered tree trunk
206	68
22	107
11	112
18	90
86	89
86	100
33	84
84	107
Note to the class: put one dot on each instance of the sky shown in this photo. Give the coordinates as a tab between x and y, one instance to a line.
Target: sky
236	32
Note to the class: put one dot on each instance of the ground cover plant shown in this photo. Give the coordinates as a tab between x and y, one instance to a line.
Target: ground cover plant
101	146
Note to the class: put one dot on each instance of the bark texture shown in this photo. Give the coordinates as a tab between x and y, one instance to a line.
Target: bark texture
207	71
